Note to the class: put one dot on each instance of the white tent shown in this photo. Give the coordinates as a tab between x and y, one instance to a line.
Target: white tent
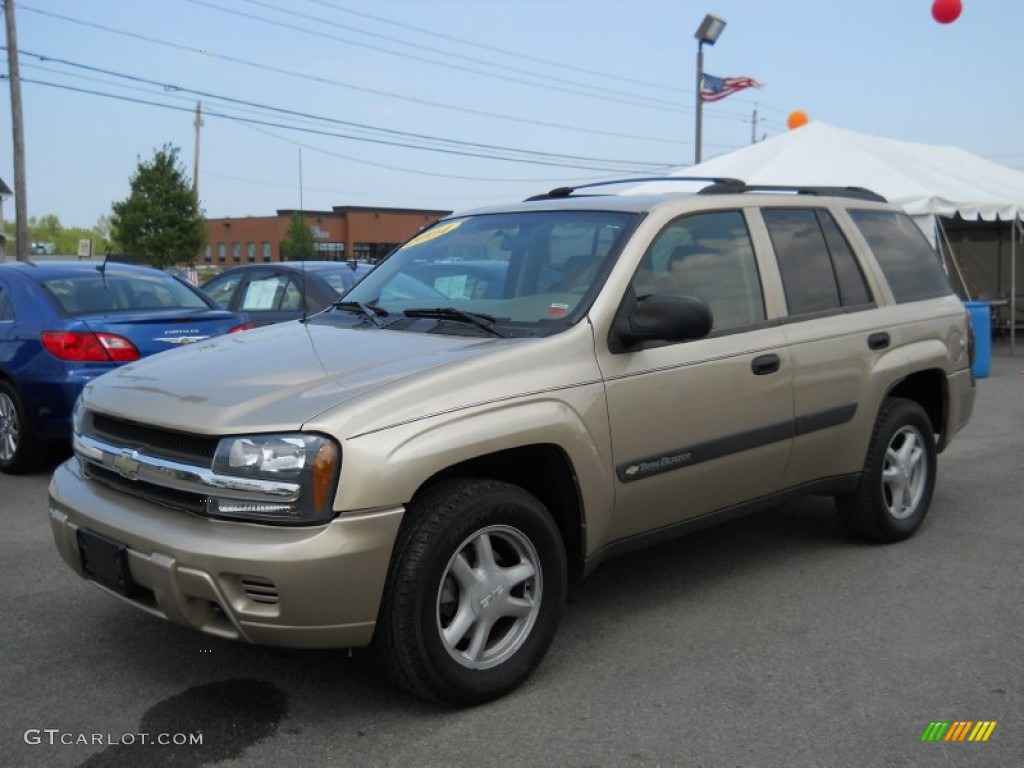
929	182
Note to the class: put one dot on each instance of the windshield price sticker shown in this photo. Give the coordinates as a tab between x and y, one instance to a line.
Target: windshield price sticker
430	234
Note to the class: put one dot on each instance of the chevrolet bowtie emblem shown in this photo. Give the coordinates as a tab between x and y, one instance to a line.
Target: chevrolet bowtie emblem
182	339
127	464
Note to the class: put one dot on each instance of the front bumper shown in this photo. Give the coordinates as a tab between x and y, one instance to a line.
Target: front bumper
310	587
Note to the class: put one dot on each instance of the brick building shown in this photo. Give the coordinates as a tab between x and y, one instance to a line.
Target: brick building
344	232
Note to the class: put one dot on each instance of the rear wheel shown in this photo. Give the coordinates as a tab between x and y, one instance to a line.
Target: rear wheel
475	592
19	450
895	488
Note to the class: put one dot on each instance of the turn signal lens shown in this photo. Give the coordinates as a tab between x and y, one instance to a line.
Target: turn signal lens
325	470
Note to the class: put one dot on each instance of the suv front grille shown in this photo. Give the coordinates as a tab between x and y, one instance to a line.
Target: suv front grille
163	443
158	494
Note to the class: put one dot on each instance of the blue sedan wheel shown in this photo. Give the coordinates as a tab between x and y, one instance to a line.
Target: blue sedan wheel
18	448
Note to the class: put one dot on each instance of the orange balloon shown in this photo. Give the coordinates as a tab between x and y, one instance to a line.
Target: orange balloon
796	119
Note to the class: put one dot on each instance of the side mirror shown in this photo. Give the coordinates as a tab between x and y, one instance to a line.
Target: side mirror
661	318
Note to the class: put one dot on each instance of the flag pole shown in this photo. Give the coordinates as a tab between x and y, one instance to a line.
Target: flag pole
700	104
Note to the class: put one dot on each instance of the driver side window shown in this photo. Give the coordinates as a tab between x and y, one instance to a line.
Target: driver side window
708	256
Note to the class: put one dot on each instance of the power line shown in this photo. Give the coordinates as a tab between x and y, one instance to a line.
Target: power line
679	92
645	102
363	161
504	51
431	49
320	150
549	162
352	86
321	118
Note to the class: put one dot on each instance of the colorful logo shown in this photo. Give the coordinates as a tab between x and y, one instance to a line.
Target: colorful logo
958	730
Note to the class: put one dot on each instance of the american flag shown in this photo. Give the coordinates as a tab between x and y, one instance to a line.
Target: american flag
714	88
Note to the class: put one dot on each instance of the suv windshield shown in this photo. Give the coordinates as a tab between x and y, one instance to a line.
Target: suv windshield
524	269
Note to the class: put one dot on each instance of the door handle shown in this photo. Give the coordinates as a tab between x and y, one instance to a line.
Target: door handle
765	364
878	340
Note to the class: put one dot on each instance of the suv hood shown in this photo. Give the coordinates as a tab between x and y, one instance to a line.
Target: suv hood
273	378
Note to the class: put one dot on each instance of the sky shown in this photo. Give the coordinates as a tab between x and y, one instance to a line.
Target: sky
412	104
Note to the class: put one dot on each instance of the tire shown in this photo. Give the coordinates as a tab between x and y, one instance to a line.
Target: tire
474	594
895	488
19	450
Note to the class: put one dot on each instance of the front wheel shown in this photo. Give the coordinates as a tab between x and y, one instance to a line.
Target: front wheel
475	592
895	488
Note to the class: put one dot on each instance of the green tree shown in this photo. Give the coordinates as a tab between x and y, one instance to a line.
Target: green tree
160	219
48	229
298	243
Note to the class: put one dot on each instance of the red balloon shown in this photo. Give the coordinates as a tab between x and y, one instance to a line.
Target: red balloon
946	11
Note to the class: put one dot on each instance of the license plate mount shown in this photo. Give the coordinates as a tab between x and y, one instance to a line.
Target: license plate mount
105	561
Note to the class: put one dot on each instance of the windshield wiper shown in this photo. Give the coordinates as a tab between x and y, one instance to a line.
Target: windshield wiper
476	319
370	313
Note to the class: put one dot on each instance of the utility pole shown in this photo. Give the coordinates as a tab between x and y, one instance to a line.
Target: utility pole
198	123
18	128
753	127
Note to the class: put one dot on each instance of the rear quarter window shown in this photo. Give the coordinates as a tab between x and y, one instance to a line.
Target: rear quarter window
907	261
6	308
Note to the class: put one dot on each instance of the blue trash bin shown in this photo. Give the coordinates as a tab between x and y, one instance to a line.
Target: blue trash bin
981	319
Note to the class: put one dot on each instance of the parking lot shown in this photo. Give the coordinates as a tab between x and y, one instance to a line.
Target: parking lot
770	641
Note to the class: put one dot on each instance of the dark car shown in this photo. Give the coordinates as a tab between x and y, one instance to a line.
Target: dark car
471	279
272	293
63	324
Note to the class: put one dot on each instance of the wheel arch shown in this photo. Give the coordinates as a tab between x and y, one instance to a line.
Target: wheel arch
929	389
543	469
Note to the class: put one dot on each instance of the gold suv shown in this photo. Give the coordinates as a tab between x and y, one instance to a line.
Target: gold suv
514	395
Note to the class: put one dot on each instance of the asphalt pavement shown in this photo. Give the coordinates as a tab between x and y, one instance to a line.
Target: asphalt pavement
770	641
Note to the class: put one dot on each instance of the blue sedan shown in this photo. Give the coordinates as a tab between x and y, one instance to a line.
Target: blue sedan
64	323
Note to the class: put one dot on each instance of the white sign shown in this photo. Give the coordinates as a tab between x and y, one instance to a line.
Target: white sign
85	248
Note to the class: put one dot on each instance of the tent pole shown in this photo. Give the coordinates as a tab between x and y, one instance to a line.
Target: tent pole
936	234
952	256
1013	285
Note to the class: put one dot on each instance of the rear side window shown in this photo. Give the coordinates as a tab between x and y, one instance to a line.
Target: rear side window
6	309
903	253
819	270
271	292
222	289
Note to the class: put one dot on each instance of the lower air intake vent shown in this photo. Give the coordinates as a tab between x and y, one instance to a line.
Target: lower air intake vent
260	590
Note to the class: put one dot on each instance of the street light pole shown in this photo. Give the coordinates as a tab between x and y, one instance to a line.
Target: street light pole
708	31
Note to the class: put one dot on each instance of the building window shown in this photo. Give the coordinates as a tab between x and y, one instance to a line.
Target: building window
222	250
266	251
372	252
236	253
208	256
250	252
330	251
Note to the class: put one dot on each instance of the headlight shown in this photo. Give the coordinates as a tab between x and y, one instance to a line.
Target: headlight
310	463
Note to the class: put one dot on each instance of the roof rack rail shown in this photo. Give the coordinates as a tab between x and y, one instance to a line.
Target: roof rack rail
558	192
729	188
